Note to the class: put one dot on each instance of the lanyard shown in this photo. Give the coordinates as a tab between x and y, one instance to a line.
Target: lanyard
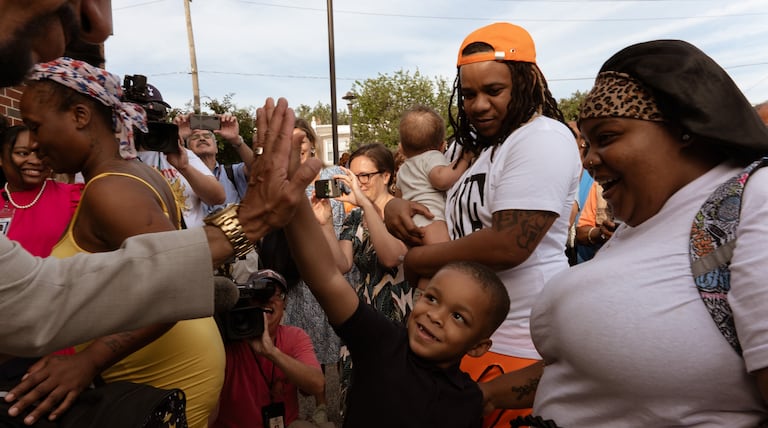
271	381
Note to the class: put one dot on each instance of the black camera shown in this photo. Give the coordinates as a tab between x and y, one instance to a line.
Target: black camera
246	319
162	136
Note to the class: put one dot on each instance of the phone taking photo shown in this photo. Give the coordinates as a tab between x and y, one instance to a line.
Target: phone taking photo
332	188
203	121
325	189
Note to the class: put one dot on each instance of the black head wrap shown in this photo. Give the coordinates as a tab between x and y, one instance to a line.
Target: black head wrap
695	93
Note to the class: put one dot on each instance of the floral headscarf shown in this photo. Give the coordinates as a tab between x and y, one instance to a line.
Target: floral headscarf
100	85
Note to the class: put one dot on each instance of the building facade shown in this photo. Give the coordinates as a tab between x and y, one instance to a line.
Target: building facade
324	134
9	104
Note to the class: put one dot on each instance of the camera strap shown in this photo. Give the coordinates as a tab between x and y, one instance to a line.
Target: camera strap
271	381
273	414
230	173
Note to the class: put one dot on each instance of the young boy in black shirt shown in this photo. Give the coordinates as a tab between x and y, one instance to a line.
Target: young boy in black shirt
406	377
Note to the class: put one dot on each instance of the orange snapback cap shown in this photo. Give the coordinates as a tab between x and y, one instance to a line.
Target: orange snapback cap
510	43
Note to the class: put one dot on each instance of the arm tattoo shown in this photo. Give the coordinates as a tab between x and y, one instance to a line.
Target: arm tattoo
528	226
117	342
527	389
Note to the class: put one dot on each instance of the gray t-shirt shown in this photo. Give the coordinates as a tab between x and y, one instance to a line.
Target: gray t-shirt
413	181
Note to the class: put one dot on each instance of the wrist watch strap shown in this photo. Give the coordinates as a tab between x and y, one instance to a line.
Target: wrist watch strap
226	220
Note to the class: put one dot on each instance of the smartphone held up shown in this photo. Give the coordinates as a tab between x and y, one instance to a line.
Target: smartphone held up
332	188
203	121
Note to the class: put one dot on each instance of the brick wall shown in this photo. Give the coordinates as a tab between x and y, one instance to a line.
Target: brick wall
9	104
9	97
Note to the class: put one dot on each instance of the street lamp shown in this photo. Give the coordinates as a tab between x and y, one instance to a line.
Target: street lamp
350	98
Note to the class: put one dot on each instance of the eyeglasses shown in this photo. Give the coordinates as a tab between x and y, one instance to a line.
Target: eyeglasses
365	177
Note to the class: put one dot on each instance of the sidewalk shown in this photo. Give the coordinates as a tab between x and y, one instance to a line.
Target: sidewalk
307	404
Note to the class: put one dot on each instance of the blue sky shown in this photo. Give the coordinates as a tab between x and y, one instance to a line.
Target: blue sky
256	49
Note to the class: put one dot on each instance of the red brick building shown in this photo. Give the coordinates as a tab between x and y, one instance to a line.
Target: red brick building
9	97
9	104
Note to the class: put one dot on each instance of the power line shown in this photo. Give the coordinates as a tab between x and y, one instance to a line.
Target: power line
517	19
480	19
316	77
138	5
756	84
745	65
236	73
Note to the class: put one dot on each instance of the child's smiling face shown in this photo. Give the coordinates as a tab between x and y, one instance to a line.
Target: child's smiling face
450	319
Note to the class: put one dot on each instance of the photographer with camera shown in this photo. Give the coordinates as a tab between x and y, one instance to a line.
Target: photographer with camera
191	181
199	132
266	369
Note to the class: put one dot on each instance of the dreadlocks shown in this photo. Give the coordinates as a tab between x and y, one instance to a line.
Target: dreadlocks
530	96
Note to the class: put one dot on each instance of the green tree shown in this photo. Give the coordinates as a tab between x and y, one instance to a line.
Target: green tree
380	102
322	113
246	119
570	106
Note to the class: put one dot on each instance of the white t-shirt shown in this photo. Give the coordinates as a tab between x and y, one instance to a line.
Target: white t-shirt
413	181
192	209
627	339
536	168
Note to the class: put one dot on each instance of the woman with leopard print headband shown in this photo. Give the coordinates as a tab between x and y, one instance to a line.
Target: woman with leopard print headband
628	339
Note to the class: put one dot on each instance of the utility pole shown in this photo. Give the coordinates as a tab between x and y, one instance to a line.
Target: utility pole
192	59
332	65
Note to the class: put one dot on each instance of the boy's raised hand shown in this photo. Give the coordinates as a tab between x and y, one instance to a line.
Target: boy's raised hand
318	269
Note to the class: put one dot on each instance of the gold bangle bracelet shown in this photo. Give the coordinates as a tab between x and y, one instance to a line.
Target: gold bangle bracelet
226	220
589	235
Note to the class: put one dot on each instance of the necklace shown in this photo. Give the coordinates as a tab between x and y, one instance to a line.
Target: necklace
29	205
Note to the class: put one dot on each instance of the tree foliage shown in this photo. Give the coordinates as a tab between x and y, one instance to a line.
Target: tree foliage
380	102
376	109
570	106
322	113
246	119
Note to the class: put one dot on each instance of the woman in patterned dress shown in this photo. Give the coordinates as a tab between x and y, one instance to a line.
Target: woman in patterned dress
365	242
302	309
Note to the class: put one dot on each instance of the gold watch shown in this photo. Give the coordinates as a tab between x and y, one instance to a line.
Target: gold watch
226	220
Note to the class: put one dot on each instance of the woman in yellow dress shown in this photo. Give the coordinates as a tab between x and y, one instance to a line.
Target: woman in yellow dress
75	114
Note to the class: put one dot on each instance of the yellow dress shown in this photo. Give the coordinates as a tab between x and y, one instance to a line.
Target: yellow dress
189	356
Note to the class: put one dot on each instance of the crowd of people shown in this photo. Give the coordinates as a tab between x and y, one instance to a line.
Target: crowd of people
602	272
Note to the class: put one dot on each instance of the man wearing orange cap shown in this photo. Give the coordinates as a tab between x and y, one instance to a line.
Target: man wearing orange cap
510	210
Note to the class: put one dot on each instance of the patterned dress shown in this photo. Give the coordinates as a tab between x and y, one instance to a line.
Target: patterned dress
381	287
302	309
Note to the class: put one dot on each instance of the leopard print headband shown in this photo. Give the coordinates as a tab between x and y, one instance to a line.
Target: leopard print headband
619	95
